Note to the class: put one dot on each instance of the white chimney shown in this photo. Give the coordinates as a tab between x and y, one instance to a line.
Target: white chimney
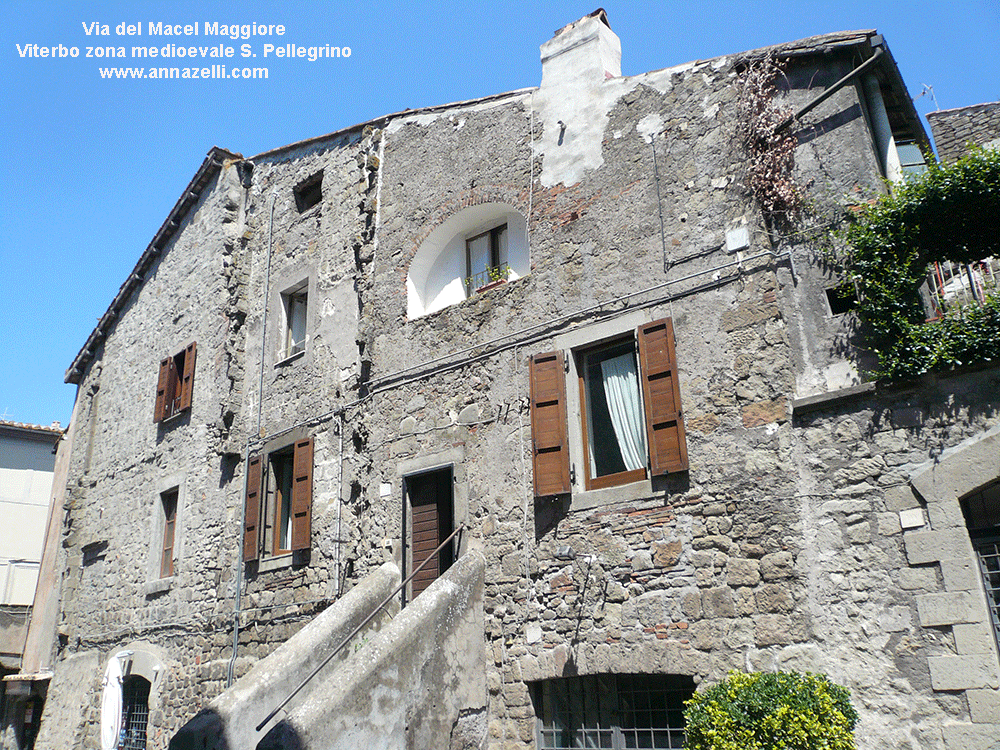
585	51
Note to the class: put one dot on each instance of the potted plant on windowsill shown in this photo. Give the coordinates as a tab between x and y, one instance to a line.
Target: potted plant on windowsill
493	276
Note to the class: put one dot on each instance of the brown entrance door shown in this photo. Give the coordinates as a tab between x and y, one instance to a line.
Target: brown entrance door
429	497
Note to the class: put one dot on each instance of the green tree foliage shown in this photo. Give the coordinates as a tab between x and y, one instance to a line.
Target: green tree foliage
947	214
771	711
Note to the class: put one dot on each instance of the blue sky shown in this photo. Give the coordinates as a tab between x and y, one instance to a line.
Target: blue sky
92	166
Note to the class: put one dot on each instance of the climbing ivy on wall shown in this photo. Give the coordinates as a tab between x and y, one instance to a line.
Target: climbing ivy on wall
949	213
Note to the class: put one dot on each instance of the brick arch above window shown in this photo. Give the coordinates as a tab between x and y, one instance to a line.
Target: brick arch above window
440	275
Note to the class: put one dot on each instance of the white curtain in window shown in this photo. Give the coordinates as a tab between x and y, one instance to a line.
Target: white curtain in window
621	388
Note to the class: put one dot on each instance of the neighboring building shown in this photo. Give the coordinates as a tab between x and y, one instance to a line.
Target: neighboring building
956	129
27	461
555	322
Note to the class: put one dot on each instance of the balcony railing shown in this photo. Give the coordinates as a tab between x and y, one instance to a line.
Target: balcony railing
956	285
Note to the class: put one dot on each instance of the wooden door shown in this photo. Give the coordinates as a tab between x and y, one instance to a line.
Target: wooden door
429	497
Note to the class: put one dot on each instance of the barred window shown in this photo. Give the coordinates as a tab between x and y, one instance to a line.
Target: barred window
642	711
982	515
135	713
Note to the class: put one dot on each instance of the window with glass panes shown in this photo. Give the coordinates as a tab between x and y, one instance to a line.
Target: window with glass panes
613	711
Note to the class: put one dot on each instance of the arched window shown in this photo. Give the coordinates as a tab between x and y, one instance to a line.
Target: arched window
132	674
475	248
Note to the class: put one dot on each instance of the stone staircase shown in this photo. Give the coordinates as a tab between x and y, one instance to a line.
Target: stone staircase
414	680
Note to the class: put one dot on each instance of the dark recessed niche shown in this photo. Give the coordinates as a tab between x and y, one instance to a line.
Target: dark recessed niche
93	552
309	193
842	299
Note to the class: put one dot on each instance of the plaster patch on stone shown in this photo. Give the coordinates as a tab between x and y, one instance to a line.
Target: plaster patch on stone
649	126
912	518
583	107
661	80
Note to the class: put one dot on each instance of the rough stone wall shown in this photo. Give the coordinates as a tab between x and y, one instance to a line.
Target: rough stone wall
855	463
955	129
781	546
214	284
126	459
690	571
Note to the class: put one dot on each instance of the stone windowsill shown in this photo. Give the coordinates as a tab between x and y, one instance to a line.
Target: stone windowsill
622	493
290	358
822	400
159	586
268	564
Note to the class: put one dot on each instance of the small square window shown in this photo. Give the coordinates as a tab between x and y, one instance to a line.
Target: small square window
94	552
842	299
309	193
295	304
175	385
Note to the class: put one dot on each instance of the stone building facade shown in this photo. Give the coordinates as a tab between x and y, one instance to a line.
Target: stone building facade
555	322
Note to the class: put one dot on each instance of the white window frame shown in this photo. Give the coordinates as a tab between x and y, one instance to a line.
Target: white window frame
295	320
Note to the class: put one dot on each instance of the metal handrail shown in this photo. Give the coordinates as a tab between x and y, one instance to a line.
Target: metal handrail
285	702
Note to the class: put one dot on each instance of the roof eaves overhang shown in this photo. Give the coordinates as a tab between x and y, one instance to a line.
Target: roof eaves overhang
902	114
31	431
209	168
861	45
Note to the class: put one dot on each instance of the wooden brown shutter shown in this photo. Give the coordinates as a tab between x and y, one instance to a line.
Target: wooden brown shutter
302	466
160	410
662	396
251	523
549	440
187	378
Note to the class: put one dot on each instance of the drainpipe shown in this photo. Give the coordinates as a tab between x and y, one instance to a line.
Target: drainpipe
879	51
237	608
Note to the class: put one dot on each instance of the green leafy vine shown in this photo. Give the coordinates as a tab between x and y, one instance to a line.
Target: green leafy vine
949	213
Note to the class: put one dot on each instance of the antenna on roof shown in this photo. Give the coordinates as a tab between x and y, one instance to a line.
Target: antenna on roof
928	90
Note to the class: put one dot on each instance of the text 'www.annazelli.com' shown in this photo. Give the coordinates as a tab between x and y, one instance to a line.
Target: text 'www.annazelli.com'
213	71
